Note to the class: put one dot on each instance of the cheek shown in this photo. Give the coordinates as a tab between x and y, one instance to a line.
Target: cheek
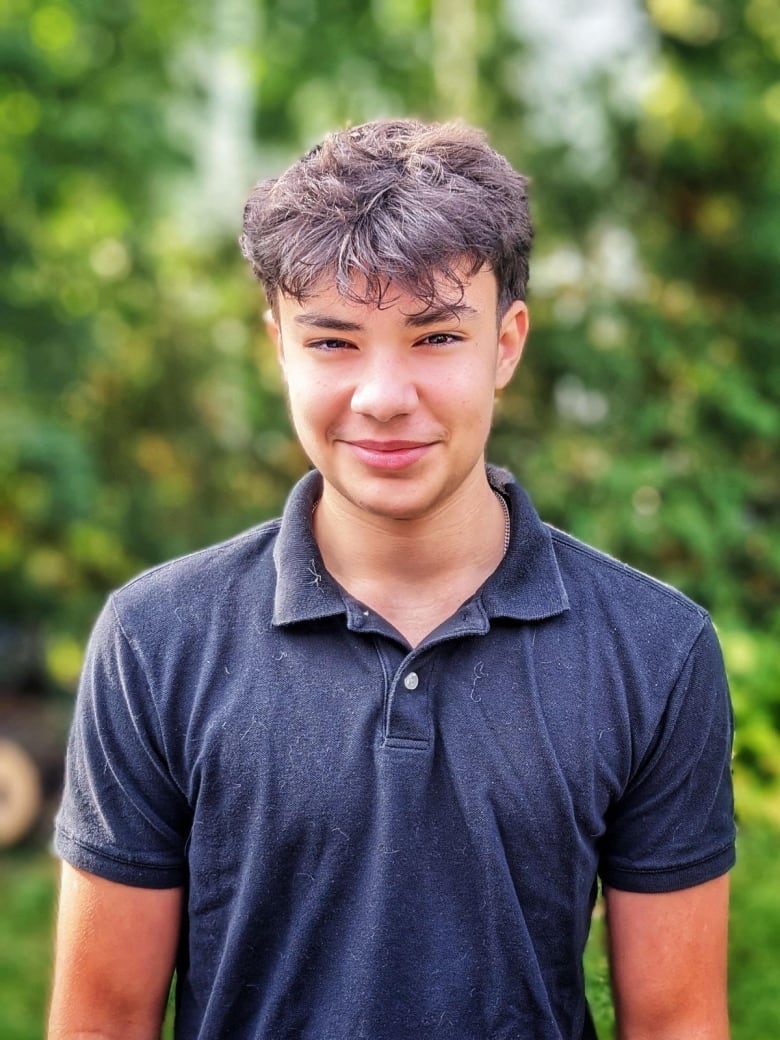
311	402
302	406
472	390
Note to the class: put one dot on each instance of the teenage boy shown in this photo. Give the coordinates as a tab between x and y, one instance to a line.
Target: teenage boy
357	772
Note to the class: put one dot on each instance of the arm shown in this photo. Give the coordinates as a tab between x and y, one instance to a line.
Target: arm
114	958
668	962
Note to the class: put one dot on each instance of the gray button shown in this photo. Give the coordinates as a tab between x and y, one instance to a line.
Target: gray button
412	681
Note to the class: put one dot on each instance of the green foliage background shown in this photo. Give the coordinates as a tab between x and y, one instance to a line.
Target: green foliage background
141	411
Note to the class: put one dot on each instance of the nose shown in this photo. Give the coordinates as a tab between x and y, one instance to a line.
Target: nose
385	391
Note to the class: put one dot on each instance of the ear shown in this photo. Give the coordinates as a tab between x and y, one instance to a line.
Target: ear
512	333
274	334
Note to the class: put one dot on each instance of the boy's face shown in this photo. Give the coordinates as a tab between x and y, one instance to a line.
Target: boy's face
393	405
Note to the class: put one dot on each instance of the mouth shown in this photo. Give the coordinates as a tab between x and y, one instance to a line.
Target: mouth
389	454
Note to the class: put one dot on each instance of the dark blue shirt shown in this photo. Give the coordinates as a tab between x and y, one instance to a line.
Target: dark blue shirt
386	842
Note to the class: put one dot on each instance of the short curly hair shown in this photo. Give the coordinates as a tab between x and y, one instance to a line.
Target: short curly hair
391	201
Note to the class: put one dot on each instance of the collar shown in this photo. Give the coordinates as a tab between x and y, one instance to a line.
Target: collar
305	591
526	586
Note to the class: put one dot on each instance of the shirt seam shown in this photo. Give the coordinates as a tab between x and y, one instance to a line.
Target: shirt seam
269	527
568	541
152	700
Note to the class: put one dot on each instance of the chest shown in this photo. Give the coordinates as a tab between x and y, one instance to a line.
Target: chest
329	737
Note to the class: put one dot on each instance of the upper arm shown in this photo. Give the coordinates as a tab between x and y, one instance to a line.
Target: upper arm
668	962
114	958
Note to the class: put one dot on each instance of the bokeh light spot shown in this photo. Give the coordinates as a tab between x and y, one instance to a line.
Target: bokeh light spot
52	28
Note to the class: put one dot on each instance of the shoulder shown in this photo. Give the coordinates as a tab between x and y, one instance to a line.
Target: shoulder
200	583
630	615
605	601
589	571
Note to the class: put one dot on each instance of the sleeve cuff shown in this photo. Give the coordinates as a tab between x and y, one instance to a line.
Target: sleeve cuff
670	879
115	866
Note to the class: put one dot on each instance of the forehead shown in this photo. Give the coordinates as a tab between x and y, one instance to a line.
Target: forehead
469	297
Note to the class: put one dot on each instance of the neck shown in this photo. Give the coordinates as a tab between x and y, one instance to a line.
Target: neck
421	568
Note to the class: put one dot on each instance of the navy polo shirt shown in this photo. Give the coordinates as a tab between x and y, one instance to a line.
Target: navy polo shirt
394	843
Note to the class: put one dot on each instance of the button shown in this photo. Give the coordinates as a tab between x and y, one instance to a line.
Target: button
412	681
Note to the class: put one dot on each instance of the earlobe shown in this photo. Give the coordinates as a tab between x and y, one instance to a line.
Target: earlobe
513	332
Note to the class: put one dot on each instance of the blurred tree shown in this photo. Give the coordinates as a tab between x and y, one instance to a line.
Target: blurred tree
125	346
648	418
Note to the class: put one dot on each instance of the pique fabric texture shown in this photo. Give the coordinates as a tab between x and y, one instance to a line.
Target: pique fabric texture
385	842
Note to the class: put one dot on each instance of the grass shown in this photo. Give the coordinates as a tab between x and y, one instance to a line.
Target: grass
28	882
755	938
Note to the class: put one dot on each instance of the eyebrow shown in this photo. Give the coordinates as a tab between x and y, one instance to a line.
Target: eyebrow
430	316
444	312
326	321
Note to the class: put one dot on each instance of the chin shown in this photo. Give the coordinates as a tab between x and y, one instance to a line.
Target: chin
388	507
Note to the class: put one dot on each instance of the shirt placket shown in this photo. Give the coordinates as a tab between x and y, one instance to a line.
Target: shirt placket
408	722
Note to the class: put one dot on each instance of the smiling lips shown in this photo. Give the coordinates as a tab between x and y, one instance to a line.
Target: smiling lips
389	455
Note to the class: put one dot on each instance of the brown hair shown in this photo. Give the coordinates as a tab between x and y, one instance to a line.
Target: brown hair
391	201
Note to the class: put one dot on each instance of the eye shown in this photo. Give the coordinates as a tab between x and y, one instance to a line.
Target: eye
440	339
330	345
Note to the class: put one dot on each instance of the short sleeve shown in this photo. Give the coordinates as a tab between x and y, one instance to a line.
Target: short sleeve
674	827
122	816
